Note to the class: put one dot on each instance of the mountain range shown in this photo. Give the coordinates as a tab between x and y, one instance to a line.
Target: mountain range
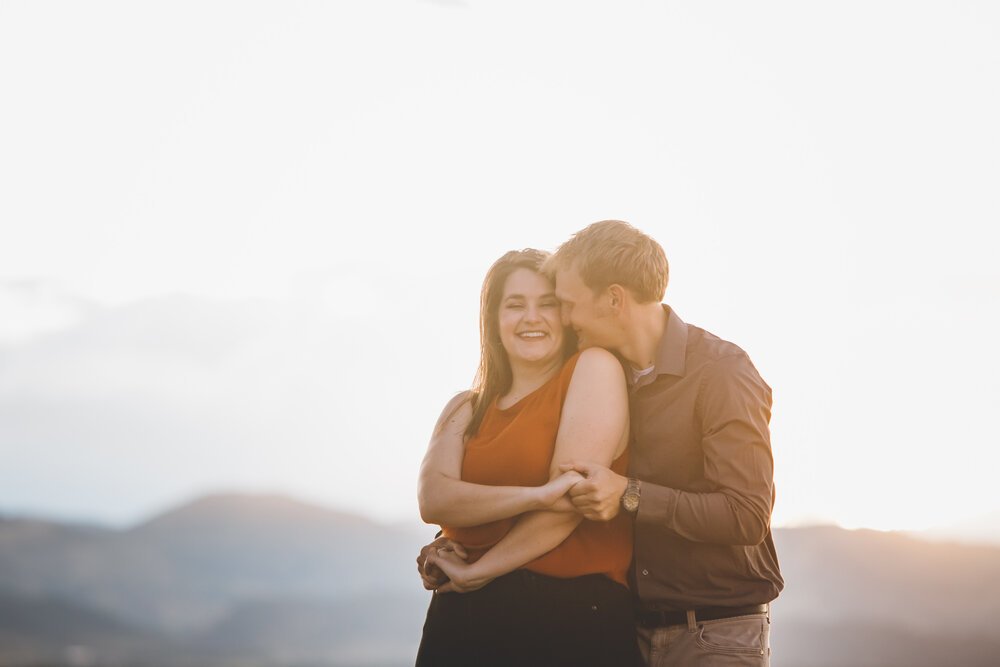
267	580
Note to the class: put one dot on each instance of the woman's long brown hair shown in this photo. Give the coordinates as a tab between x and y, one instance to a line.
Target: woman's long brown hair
494	377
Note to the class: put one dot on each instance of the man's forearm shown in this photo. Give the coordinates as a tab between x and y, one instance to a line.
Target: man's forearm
716	518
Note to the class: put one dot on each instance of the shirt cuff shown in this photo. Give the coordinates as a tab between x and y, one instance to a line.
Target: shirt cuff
656	505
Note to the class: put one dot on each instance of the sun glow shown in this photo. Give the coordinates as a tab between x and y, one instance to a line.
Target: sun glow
257	265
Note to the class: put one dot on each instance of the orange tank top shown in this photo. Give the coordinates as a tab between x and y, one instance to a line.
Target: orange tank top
514	447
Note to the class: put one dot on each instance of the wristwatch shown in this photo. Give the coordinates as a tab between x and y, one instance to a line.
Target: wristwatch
630	499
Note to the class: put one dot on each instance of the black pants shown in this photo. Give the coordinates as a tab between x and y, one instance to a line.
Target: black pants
524	618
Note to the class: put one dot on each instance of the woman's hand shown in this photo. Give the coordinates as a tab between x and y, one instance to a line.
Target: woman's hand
431	575
552	496
462	577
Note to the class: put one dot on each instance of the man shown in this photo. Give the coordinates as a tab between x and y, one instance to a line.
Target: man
700	484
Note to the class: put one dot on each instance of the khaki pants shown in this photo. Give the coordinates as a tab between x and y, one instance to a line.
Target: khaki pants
741	641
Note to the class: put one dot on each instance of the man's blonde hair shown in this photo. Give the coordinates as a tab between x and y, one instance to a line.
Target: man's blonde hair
613	252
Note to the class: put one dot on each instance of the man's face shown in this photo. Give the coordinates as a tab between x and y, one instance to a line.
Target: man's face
588	314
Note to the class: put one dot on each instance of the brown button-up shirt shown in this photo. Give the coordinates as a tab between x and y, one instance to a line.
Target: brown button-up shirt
702	452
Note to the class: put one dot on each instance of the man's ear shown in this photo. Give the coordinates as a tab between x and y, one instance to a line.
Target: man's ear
616	297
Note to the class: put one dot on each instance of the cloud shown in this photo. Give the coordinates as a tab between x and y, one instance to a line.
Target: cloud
138	406
34	306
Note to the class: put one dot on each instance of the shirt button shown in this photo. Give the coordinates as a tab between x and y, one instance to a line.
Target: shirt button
645	573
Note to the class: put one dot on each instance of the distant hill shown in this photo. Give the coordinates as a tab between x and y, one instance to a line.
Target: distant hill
188	567
978	530
266	580
34	630
884	599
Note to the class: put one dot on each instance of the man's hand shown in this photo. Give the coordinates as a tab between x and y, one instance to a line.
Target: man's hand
432	576
598	497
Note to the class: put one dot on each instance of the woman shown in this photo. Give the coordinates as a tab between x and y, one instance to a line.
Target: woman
538	587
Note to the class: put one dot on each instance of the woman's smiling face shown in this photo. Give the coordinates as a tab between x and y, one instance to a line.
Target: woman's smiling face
530	325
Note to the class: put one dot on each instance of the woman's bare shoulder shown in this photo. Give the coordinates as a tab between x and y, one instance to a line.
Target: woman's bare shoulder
457	411
598	361
459	399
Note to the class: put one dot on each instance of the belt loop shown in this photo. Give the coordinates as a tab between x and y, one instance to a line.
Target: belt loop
692	621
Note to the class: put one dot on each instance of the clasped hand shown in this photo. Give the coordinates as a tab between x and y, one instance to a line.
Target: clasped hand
598	496
442	563
458	574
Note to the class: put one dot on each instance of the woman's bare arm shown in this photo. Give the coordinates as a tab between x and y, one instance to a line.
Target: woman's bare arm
593	427
446	500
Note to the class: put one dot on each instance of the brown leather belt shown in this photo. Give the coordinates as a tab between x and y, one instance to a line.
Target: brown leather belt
656	619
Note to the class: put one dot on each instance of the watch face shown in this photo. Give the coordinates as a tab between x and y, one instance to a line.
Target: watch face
631	502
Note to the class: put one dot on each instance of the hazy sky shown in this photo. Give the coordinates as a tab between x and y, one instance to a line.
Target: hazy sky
241	243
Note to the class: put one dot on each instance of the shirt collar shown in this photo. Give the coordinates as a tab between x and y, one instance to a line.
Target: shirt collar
672	349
